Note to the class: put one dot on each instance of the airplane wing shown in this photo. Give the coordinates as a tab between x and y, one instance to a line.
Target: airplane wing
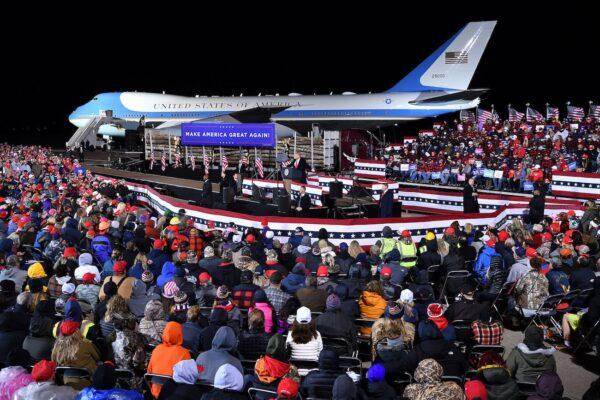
250	115
466	95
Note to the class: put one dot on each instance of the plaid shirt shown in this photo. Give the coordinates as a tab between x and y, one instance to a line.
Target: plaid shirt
277	297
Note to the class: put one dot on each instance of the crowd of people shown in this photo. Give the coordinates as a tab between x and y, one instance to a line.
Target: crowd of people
102	298
526	156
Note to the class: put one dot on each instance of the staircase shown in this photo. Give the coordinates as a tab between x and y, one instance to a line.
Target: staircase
87	132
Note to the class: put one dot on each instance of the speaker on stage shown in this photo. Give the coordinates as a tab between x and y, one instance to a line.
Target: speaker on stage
336	190
284	203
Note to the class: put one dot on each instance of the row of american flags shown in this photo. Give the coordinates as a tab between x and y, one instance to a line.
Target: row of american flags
576	114
206	160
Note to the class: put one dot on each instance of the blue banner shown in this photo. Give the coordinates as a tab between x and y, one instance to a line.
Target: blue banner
228	135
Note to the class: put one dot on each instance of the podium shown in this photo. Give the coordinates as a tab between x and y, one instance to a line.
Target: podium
292	174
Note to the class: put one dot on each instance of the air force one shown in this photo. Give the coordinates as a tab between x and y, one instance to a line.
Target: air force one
439	85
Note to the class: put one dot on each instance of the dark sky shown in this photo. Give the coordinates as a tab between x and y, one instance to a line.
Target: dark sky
53	64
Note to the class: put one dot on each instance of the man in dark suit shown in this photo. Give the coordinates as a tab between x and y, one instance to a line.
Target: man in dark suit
302	203
207	197
301	165
470	202
386	202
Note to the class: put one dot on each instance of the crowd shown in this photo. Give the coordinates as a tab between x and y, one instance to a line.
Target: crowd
101	298
502	155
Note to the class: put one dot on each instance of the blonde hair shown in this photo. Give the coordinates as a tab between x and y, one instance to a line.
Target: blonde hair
355	249
65	348
115	305
468	228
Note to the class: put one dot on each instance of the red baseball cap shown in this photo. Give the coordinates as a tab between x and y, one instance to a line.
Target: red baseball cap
70	252
405	233
159	244
531	252
88	277
119	267
503	235
386	271
288	388
204	277
322	271
547	236
250	238
450	231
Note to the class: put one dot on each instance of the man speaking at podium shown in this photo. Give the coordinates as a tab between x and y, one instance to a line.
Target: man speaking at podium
301	165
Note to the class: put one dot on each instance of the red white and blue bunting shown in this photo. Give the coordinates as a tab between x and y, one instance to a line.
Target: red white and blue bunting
580	185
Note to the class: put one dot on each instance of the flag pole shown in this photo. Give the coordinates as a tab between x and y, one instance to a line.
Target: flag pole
255	158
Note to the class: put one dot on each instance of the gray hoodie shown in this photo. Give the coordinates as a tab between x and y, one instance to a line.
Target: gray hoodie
224	344
138	300
18	276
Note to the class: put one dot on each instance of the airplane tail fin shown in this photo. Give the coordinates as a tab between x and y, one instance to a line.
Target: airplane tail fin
450	67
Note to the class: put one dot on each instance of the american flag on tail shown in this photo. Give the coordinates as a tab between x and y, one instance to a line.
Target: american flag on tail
594	112
467	116
575	113
514	115
163	161
224	162
206	162
533	115
193	162
483	116
259	167
552	112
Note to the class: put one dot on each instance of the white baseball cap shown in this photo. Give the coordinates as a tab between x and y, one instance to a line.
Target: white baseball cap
303	315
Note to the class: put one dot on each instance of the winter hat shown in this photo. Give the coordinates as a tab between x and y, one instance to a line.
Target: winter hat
269	234
534	337
250	239
223	292
344	388
288	388
147	276
435	310
406	296
303	315
68	327
305	241
104	377
68	288
85	259
88	277
43	371
170	290
36	285
70	252
276	347
260	296
229	377
36	271
204	277
531	252
246	276
180	297
209	251
271	255
333	302
343	246
503	235
180	272
119	267
475	389
376	373
430	236
73	311
186	371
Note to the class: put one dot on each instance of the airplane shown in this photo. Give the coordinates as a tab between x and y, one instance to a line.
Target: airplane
438	85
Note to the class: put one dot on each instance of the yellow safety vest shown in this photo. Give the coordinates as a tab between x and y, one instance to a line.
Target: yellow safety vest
387	245
408	251
84	328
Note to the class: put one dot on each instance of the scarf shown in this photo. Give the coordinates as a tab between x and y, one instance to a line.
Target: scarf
440	322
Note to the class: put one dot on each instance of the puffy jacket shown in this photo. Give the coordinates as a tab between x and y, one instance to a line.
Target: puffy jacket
167	354
548	387
526	365
496	275
268	313
483	263
156	260
294	281
45	391
102	248
13	379
372	305
89	393
498	384
167	274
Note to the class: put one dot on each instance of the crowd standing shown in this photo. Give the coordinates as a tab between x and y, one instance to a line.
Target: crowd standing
525	156
97	292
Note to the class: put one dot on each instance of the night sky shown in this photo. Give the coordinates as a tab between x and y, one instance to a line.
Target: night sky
535	55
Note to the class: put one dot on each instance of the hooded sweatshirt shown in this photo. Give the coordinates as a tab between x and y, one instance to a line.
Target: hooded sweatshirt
153	324
548	387
138	300
224	344
344	388
167	354
526	365
294	281
18	276
167	274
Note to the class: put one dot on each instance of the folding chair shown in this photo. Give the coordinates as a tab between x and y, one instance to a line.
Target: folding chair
464	334
156	379
431	270
459	380
585	339
502	296
460	274
364	341
70	372
351	364
402	382
582	300
546	309
124	377
342	346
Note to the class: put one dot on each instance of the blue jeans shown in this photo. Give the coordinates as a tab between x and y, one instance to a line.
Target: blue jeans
497	183
424	176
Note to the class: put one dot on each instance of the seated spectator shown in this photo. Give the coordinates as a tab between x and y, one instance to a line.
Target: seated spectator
392	330
128	346
492	371
217	319
582	277
192	329
243	293
12	333
377	387
167	354
466	308
372	303
40	341
428	383
277	297
152	325
348	306
253	342
138	300
344	388
119	277
582	322
422	286
548	386
228	383
104	382
303	339
224	301
88	290
288	389
532	289
224	346
295	280
261	302
312	297
14	273
273	366
183	385
86	266
531	358
60	277
324	281
329	370
15	376
390	290
43	386
116	308
558	280
206	291
72	350
335	324
435	313
521	265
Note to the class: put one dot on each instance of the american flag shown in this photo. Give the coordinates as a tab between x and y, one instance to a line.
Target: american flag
163	161
224	162
575	113
206	162
552	112
514	115
467	116
177	160
152	160
193	162
495	115
594	112
259	167
533	115
483	116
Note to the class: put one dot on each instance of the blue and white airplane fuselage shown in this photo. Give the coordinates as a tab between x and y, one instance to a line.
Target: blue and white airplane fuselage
439	85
